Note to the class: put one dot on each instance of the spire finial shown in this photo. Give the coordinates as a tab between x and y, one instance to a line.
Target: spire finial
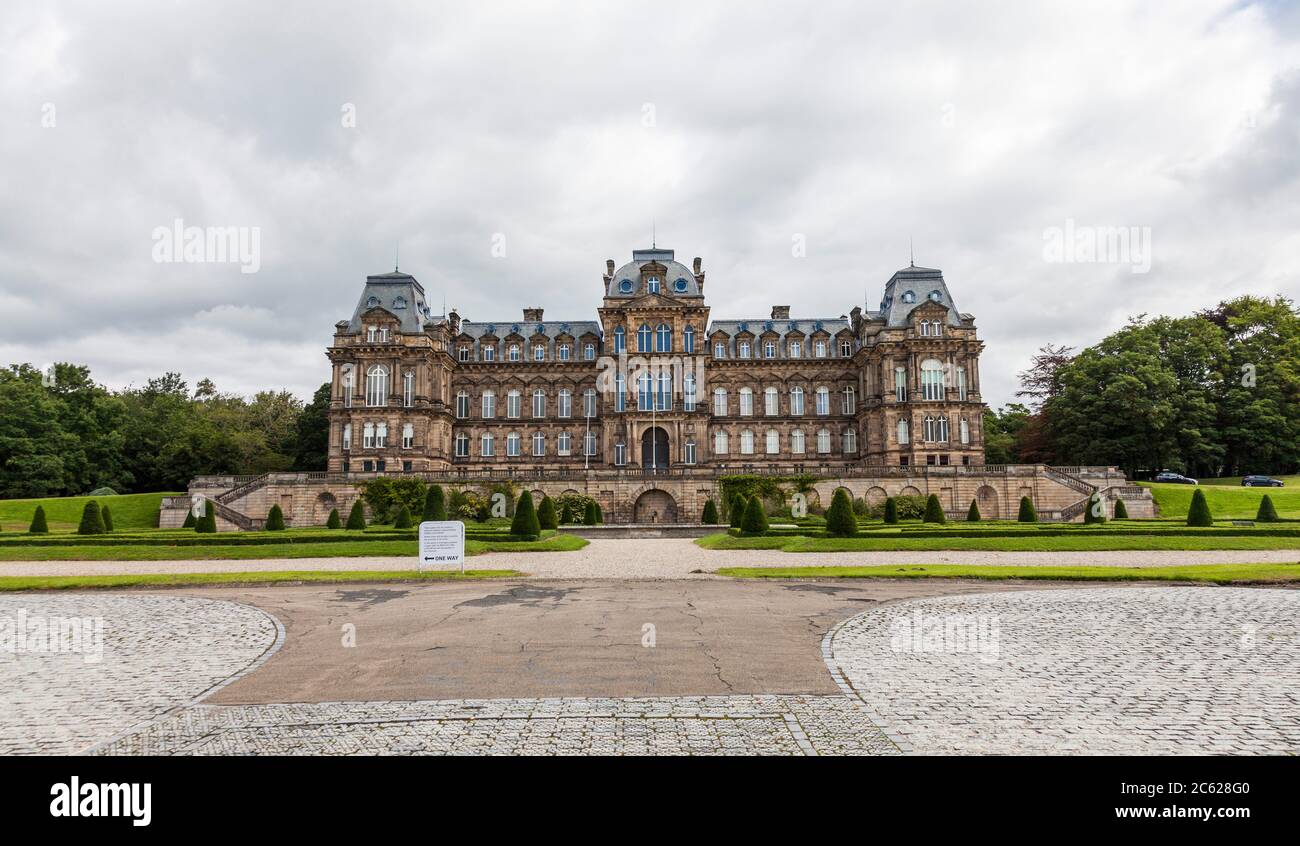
653	243
397	254
911	254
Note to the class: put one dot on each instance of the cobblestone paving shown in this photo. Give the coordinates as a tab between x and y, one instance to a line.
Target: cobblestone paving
159	652
1183	670
707	725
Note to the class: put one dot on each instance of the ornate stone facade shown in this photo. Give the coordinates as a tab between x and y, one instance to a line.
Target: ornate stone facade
654	384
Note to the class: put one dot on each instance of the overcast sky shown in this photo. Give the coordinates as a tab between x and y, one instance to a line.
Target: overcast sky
565	132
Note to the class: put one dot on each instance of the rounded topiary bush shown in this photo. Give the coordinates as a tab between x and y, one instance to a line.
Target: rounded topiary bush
525	523
591	514
1267	513
106	516
933	510
102	492
710	516
1027	512
435	504
334	521
1121	510
275	519
840	519
546	516
403	519
357	516
891	510
1199	512
91	521
40	527
973	514
1096	511
755	519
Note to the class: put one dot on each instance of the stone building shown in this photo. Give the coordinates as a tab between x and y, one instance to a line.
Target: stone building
655	381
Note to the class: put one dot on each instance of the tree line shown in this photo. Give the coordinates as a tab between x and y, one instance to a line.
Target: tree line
1213	394
67	435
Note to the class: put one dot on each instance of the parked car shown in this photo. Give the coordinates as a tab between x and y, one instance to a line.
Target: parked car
1174	478
1261	482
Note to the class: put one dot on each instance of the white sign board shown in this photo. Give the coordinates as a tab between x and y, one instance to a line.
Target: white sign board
442	542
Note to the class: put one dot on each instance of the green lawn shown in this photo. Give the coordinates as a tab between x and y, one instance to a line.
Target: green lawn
1100	541
1226	501
11	583
1214	573
130	511
90	551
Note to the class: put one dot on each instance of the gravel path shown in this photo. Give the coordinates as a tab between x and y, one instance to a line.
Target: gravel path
664	558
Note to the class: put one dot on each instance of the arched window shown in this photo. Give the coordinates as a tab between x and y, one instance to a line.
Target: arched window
850	400
744	349
563	443
512	445
769	349
846	349
368	436
539	403
489	405
462	405
929	430
902	432
823	441
643	398
909	296
539	444
932	379
746	402
720	442
820	349
719	350
965	431
688	392
797	442
377	386
589	352
823	400
487	446
620	340
489	352
850	440
643	338
773	445
796	349
566	403
796	400
564	351
771	405
746	442
663	338
943	429
347	436
539	352
408	388
925	328
513	351
513	404
688	339
720	402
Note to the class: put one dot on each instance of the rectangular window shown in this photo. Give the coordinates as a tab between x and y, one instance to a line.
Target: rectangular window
463	354
900	384
961	384
462	446
408	436
488	447
746	403
368	436
512	405
770	404
539	404
589	352
589	405
590	441
566	404
620	453
688	392
462	405
347	436
489	405
381	436
408	390
564	444
688	457
823	401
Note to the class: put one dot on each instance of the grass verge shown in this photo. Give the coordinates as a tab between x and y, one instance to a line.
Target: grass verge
1100	542
12	583
63	513
1220	574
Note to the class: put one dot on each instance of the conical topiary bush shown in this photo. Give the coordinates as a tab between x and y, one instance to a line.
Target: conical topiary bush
1199	512
106	516
334	522
591	514
403	519
39	526
736	511
275	519
546	516
525	523
891	510
973	514
1267	513
933	510
710	516
1121	510
91	521
755	519
357	516
435	504
1027	512
841	522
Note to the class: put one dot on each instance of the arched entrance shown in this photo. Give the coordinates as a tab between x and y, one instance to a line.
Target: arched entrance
654	448
655	507
987	498
325	503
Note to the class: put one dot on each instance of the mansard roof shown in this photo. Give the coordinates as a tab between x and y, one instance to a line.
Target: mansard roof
501	328
758	325
398	293
674	271
924	284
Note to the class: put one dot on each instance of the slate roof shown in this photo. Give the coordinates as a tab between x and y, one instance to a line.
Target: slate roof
671	286
551	328
922	282
399	293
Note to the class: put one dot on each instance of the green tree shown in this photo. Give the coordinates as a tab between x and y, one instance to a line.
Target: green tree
973	514
591	515
525	523
1001	429
275	519
736	511
357	517
435	504
1028	514
40	527
546	516
334	522
91	521
934	510
403	518
891	510
600	513
1121	510
1096	511
1267	513
107	517
312	432
710	516
755	519
566	513
1199	512
840	519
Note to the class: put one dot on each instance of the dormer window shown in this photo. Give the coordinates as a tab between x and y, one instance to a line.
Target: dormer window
372	302
399	303
680	286
936	296
846	349
652	284
909	296
463	353
513	352
744	349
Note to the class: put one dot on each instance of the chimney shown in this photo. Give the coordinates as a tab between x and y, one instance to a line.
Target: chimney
532	315
780	312
453	320
609	268
698	261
